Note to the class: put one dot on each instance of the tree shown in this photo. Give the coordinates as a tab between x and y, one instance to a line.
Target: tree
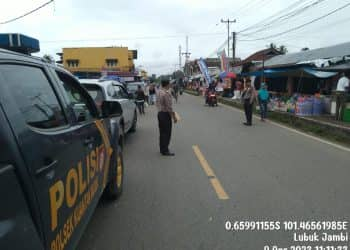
272	46
283	49
48	58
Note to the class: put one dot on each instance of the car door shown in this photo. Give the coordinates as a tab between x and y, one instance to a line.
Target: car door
131	103
96	143
123	98
52	147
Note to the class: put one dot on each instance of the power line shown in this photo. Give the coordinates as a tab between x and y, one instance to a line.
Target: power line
276	41
26	14
301	26
279	21
250	27
268	19
246	7
135	38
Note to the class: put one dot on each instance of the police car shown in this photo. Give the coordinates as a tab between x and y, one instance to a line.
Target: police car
58	155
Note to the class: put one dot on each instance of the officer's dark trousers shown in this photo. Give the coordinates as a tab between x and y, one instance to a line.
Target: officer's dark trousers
164	122
248	110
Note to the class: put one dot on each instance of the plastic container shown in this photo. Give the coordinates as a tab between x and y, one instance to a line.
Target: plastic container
304	106
346	116
327	105
317	106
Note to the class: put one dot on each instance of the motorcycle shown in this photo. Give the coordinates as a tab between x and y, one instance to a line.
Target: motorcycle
181	90
211	99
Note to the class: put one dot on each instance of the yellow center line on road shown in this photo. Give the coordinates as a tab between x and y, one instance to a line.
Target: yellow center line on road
210	173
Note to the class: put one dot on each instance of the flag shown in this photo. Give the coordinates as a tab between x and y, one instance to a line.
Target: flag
224	62
204	69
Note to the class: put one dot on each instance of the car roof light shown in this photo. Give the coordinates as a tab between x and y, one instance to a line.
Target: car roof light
19	43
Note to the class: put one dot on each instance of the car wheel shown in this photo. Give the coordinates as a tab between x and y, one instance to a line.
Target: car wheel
114	187
134	123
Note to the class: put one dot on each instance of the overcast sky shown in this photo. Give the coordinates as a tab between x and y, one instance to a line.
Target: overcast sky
156	28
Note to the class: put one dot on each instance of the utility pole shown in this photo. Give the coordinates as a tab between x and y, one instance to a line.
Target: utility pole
228	22
186	54
233	47
180	54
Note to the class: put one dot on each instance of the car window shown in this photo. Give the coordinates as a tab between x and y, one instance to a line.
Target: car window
80	104
34	95
120	93
124	92
132	87
111	91
96	93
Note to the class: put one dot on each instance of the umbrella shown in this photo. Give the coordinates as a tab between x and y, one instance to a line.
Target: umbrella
227	75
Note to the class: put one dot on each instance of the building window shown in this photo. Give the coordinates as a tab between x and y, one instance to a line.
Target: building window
73	63
111	62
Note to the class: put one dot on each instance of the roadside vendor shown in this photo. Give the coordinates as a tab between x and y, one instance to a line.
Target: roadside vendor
341	95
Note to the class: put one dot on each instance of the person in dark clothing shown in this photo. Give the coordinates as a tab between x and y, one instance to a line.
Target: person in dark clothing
175	91
152	94
248	100
263	97
140	99
165	114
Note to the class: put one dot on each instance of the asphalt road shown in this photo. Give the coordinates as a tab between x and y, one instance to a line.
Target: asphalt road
236	173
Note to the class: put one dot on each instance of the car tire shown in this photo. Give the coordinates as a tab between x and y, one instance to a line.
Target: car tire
114	187
134	123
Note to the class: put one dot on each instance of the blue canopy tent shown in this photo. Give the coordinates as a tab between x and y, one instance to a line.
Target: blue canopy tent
296	72
292	71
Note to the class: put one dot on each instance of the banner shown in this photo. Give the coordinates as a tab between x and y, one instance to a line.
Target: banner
204	69
224	62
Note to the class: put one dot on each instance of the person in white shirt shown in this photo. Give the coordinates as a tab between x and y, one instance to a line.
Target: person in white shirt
343	83
341	96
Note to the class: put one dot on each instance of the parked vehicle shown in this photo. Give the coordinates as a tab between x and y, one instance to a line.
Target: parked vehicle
115	91
132	87
59	154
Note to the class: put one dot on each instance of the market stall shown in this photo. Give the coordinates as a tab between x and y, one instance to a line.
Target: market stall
300	90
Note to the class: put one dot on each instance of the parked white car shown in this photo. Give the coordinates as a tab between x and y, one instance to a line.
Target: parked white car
114	91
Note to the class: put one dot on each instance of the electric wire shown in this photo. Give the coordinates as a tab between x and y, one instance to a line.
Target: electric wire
281	20
275	16
137	38
27	14
300	26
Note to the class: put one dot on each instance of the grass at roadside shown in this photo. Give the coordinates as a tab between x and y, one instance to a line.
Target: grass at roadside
323	131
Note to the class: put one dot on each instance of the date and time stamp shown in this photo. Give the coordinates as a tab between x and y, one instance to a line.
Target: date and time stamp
305	235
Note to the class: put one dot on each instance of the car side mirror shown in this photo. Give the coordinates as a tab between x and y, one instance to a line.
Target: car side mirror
81	117
111	108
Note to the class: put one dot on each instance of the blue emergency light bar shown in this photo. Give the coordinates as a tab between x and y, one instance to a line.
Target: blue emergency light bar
19	43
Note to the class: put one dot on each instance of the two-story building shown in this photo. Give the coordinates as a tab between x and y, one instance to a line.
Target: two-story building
92	62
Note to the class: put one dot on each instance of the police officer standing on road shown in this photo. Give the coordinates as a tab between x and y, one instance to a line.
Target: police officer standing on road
165	114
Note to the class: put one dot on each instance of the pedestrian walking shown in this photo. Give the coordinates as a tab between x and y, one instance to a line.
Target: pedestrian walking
147	94
140	100
263	97
165	115
152	94
248	97
175	91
